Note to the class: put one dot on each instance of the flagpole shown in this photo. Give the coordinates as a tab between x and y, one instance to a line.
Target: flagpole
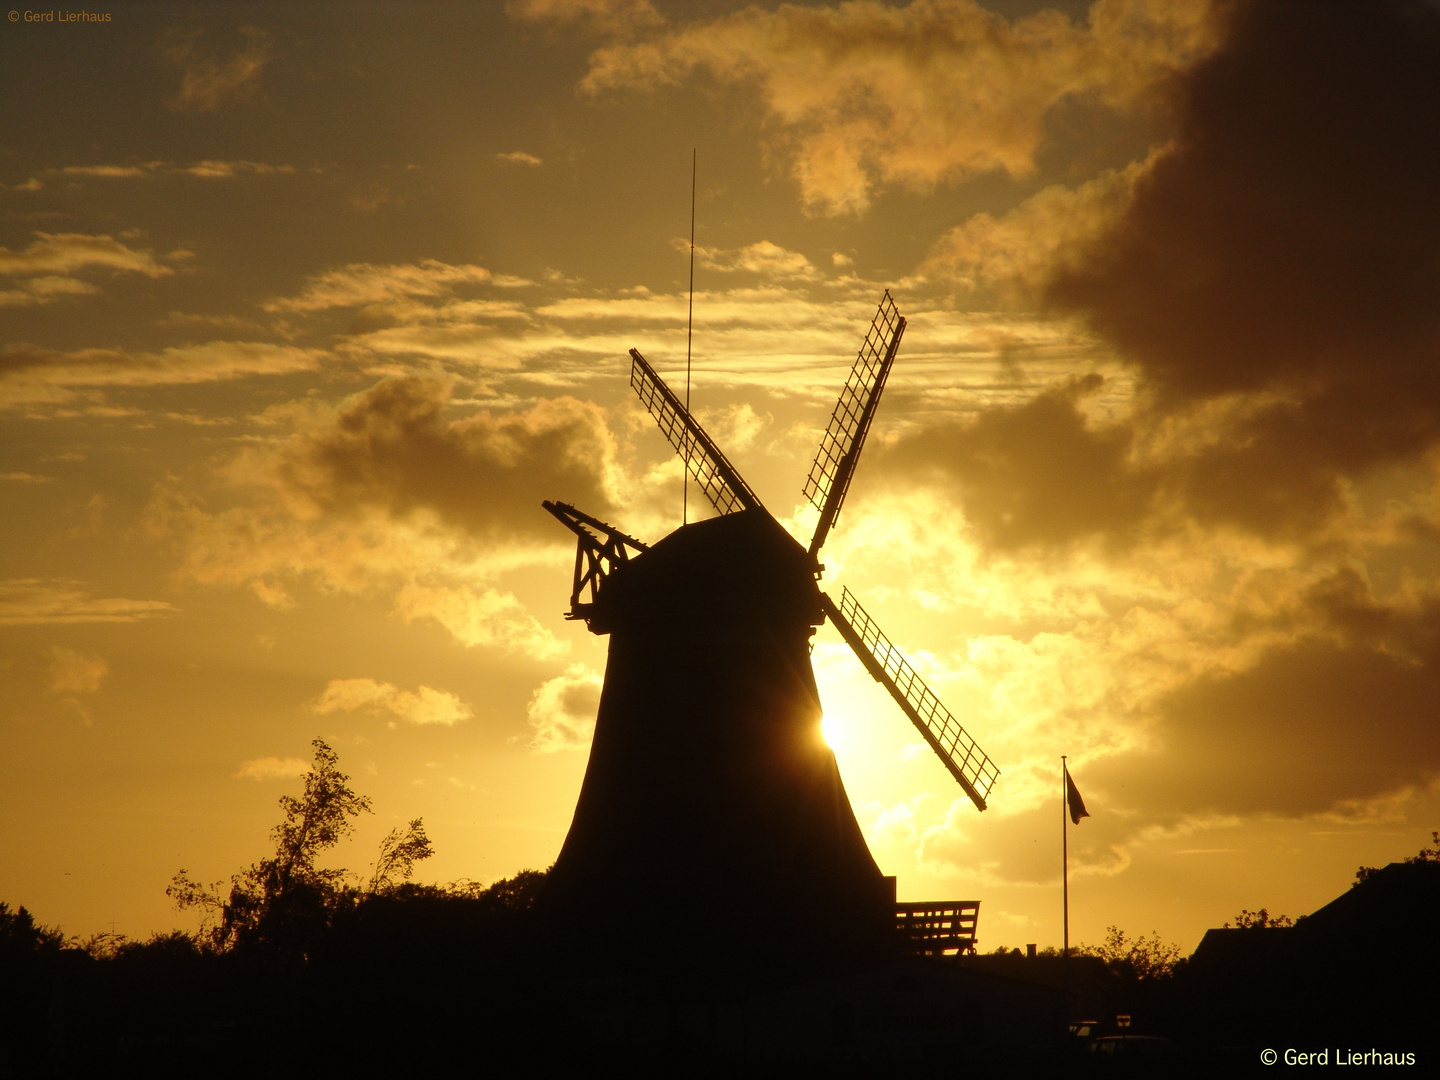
1065	878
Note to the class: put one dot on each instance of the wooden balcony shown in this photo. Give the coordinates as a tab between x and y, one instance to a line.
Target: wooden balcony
938	927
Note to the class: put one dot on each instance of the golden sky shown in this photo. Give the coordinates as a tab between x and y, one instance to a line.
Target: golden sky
305	308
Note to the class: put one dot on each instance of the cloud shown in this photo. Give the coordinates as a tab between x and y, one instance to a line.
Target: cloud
519	157
45	290
866	94
1284	259
736	427
1015	257
29	375
206	170
562	710
391	448
432	573
763	258
1338	713
423	706
224	170
272	768
65	253
107	172
207	82
73	672
28	601
1037	474
485	618
605	16
272	595
388	493
1268	279
363	283
1199	675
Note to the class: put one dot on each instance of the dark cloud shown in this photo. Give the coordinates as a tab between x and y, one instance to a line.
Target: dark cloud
1274	285
1033	474
1289	243
392	448
1342	714
1307	729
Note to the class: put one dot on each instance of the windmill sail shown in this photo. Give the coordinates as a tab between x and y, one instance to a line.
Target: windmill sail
712	471
598	550
834	465
970	765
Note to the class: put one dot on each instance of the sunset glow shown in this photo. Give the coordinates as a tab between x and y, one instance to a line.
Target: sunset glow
305	308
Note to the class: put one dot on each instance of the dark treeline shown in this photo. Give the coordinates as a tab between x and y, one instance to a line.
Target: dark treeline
301	971
296	970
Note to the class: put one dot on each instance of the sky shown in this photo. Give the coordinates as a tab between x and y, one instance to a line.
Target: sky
305	308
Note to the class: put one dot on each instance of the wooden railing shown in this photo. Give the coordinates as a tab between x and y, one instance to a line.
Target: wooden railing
937	927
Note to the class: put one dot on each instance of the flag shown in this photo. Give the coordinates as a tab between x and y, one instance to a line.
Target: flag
1073	800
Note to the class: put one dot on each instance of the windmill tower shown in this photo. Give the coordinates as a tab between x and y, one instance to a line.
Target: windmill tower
712	829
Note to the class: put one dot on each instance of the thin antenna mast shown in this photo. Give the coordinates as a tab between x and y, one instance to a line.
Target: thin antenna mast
689	331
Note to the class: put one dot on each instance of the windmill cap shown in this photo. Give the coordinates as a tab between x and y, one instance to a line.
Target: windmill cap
737	566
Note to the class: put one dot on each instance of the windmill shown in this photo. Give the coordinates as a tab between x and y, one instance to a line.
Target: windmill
712	826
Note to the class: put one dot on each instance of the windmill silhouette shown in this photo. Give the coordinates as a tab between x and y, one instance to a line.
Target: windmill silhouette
712	829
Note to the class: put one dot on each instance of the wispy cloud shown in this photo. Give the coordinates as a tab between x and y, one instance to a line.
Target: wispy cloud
206	80
65	253
1015	257
31	376
205	170
764	259
272	768
603	16
364	283
73	672
38	601
519	157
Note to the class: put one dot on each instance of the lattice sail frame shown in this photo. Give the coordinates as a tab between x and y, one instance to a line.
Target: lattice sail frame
844	438
704	461
826	487
970	765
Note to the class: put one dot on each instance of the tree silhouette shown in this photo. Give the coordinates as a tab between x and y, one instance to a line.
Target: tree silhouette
21	934
399	852
283	903
1135	958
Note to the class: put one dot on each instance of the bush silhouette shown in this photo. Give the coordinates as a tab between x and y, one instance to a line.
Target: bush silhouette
1424	855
